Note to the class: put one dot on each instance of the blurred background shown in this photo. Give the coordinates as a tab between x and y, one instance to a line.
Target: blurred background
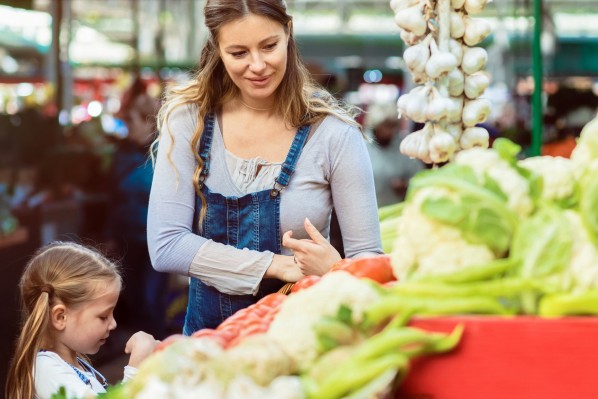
80	79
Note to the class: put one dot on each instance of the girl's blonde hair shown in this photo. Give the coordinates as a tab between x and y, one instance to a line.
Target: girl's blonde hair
299	99
62	272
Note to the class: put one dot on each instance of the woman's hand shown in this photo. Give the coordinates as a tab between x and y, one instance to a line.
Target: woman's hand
314	255
140	346
284	268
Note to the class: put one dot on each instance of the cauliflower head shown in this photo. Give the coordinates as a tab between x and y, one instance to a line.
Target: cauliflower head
292	326
558	177
430	247
488	161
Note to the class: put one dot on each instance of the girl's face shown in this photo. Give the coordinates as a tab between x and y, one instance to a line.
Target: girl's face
254	52
87	326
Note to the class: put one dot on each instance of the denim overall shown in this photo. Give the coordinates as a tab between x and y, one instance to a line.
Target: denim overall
251	221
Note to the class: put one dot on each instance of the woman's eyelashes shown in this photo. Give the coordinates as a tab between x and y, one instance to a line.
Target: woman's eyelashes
268	47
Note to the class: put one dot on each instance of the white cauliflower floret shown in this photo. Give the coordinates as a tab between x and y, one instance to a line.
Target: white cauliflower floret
259	357
431	247
292	327
512	184
583	267
558	176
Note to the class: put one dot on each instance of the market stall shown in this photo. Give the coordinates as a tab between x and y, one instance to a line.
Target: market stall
488	286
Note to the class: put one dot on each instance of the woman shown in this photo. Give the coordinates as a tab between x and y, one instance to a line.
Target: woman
252	148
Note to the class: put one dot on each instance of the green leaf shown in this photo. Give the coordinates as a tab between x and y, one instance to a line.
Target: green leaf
507	149
543	243
61	394
345	314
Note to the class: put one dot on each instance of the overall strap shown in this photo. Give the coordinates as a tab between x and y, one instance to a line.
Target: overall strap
205	146
288	167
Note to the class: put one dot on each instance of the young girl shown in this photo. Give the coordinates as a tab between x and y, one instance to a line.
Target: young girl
68	294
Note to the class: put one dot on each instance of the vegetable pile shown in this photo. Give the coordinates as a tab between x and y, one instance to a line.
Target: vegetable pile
448	67
492	234
319	345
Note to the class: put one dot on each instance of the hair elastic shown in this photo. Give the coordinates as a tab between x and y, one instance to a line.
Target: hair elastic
48	289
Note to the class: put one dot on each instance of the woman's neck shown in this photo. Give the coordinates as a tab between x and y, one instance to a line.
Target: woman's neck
265	108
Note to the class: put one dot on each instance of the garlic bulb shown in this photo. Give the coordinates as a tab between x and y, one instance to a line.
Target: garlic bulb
442	146
476	84
456	81
409	38
414	104
454	111
475	6
476	111
474	59
397	5
417	56
457	25
476	30
415	145
474	137
440	62
412	20
456	49
455	130
438	106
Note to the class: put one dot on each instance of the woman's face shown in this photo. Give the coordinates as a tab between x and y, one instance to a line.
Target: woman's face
254	52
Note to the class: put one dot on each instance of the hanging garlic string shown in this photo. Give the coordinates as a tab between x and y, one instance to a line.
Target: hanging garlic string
443	13
443	17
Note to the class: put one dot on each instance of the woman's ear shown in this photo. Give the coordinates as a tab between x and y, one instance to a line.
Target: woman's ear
58	316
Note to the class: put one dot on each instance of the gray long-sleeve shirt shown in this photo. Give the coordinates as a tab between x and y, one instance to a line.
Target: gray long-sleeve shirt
334	169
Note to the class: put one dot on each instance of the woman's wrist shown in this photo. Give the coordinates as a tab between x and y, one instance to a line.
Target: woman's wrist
283	268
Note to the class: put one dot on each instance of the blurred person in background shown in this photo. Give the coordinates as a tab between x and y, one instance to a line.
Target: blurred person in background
392	170
252	157
143	303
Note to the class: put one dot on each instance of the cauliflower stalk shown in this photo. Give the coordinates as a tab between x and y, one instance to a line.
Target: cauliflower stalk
293	325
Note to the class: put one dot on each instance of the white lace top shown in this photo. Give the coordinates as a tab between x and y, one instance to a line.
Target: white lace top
251	175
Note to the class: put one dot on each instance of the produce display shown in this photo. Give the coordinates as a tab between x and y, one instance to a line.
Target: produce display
447	65
319	342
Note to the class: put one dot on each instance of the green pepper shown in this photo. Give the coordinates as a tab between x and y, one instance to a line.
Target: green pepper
392	305
556	305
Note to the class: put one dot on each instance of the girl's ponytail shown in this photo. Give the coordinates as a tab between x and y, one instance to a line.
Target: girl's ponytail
19	384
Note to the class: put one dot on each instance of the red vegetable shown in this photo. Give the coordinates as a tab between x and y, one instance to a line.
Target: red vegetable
304	283
377	268
166	342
